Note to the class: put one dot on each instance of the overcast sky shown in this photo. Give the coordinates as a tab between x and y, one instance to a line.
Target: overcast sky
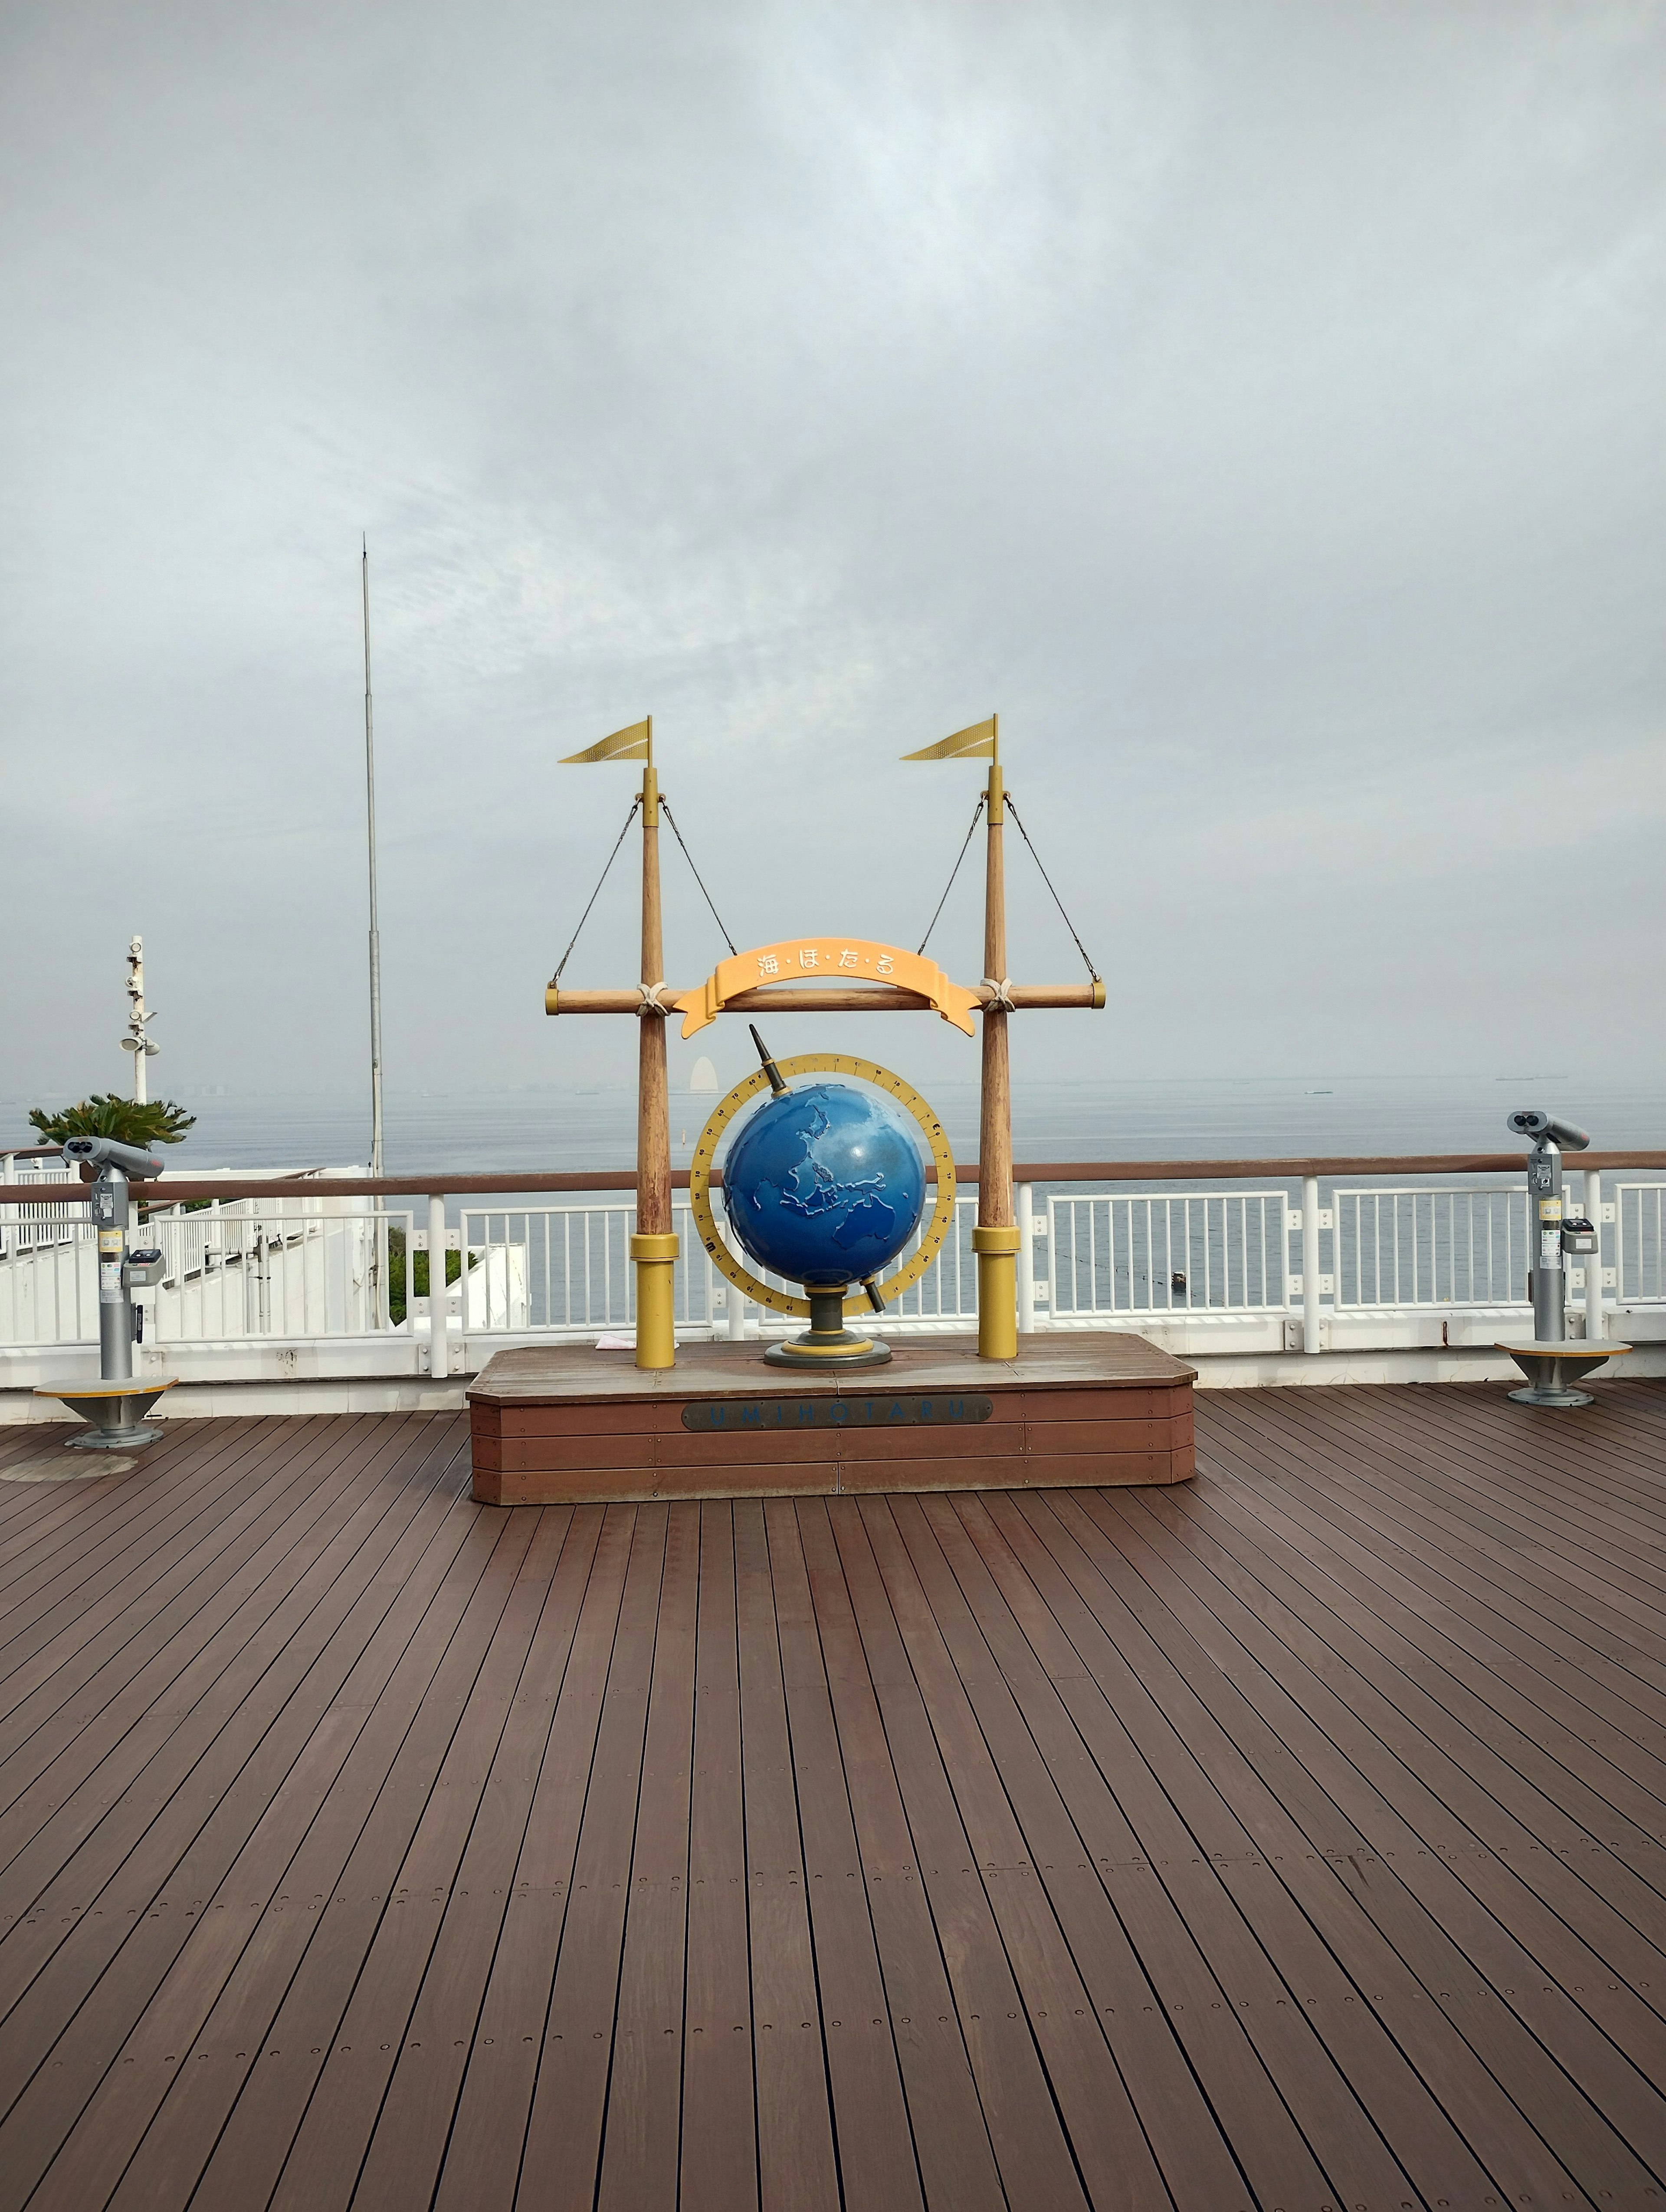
1259	405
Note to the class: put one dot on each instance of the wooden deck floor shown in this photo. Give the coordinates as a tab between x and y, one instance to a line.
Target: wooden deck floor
1292	1839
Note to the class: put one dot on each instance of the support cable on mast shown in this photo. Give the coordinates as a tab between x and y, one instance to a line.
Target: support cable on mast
977	816
665	808
600	880
1048	880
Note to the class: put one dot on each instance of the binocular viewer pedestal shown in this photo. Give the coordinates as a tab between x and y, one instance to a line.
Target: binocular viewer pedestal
114	1413
1553	1366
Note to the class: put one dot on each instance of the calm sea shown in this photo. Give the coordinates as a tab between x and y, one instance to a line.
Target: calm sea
1218	1120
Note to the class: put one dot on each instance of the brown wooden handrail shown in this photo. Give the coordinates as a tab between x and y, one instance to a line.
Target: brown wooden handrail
170	1191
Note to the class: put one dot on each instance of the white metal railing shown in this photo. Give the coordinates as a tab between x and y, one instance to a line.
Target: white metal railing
1397	1247
1195	1265
1640	1265
572	1267
1134	1253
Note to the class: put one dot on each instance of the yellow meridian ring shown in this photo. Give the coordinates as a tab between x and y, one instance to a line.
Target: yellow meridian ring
820	1063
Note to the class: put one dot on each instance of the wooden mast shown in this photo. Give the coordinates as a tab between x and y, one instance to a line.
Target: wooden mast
995	1239
653	1247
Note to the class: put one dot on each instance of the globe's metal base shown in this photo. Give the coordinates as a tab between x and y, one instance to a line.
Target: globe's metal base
844	1351
828	1343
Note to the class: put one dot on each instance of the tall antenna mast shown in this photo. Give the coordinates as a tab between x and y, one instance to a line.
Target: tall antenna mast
370	825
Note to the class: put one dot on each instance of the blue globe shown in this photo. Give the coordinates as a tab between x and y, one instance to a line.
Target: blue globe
825	1184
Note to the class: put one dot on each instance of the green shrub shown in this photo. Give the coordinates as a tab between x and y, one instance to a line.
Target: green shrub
396	1272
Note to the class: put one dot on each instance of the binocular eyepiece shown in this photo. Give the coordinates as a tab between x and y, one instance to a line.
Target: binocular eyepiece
106	1152
1546	1129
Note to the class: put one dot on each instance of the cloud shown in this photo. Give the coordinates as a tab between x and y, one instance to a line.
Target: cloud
1259	405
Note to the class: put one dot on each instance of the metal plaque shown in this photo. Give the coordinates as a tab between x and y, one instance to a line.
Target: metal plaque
884	1409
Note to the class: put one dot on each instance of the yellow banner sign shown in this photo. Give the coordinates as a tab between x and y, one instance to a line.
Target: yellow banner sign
826	960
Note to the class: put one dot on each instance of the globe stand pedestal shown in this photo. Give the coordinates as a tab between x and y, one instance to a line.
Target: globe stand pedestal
564	1424
828	1343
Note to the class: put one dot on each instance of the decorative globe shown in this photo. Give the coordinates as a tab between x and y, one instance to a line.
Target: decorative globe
825	1184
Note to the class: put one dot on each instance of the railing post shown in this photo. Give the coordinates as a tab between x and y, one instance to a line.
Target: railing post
436	1286
735	1299
1310	1264
1026	1258
1595	1325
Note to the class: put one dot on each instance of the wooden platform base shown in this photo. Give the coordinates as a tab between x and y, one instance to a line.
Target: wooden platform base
564	1424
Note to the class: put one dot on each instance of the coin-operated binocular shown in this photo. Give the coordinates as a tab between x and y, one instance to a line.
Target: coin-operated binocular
1553	1234
115	1410
1546	1278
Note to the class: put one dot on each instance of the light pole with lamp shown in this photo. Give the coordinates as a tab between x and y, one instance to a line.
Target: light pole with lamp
136	1042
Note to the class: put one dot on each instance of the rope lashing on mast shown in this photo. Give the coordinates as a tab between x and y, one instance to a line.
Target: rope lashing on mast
977	816
1048	880
665	808
1001	995
597	893
651	998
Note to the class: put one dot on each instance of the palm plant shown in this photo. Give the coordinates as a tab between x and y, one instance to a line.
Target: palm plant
129	1121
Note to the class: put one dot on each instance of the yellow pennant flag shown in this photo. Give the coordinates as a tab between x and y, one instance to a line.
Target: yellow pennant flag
635	743
976	743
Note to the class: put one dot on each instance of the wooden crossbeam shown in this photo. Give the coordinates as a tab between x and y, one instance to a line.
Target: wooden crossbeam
823	999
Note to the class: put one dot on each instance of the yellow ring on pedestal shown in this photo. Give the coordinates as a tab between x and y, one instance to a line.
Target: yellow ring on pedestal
995	1240
821	1063
650	1246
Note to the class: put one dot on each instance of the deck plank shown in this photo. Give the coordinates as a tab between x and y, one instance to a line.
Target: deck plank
362	1991
68	1711
163	1982
67	1524
1113	2152
482	2165
719	2153
1208	1971
181	1821
564	2130
363	1844
797	2165
407	2150
1409	1893
1444	1707
639	2157
1367	1549
1314	1467
877	2161
955	2156
137	1553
